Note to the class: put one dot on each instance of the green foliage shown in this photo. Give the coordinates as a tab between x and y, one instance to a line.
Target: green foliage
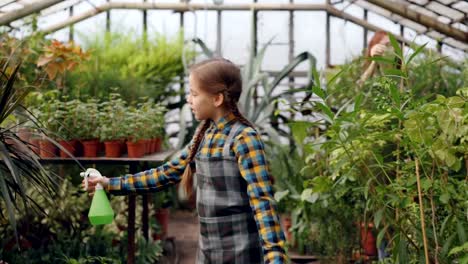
135	67
87	120
111	119
62	233
361	157
19	165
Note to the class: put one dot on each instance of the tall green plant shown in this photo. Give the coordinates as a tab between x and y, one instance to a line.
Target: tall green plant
365	164
135	66
18	164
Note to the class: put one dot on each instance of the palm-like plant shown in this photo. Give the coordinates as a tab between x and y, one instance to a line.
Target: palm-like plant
19	166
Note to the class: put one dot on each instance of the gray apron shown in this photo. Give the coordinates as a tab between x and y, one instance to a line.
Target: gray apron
228	231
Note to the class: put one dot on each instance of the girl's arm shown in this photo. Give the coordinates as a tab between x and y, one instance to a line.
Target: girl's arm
253	166
368	73
152	180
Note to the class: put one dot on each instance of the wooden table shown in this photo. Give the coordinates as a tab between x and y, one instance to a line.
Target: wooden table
135	165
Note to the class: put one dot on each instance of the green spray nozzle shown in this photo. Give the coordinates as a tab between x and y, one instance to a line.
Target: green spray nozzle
100	212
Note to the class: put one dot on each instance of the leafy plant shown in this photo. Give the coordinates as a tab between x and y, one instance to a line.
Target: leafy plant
87	120
58	59
391	157
111	118
19	165
131	66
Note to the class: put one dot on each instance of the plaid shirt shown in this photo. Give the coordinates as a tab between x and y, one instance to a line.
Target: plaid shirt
249	150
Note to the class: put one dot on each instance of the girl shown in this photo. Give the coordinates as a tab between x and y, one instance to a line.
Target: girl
234	195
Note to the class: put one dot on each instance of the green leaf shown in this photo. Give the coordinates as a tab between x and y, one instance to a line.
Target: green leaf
381	235
309	196
280	195
396	45
445	198
395	94
326	110
378	217
455	102
317	90
461	231
394	72
299	130
459	249
357	103
416	52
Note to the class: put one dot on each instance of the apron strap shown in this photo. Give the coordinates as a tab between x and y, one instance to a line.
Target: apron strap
226	149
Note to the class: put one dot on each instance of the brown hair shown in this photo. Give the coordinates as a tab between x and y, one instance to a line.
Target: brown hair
216	75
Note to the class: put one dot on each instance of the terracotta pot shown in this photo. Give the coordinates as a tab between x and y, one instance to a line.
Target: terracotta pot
135	149
69	145
11	142
162	217
113	149
158	145
90	148
155	145
24	134
368	242
35	145
147	143
47	149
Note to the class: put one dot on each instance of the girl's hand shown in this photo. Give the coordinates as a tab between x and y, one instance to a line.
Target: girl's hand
104	181
378	50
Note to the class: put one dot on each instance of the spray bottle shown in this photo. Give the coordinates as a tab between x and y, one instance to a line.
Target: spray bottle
100	212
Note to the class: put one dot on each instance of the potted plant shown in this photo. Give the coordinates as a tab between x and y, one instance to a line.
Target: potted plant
87	128
158	127
162	202
49	119
111	131
153	116
67	121
145	109
135	132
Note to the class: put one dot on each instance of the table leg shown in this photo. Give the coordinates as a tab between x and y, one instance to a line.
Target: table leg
131	229
145	214
131	222
145	217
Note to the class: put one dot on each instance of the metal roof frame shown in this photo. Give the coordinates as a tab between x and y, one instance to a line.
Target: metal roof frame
445	21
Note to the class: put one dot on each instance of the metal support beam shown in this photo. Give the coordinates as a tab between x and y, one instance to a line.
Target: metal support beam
108	18
145	21
366	32
26	10
183	7
71	30
404	11
327	37
291	43
219	31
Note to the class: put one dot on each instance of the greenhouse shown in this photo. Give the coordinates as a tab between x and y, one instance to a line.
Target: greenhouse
234	131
